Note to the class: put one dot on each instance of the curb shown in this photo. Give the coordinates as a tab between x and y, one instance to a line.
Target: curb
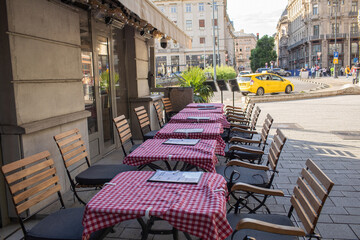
298	96
323	85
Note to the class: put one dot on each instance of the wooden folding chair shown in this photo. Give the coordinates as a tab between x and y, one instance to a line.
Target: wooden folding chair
144	123
169	111
237	171
125	135
309	196
238	110
159	114
75	159
35	187
249	149
244	118
245	130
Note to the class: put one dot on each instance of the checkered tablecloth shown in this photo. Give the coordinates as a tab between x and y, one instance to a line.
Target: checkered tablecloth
198	209
210	131
202	110
199	105
214	118
202	154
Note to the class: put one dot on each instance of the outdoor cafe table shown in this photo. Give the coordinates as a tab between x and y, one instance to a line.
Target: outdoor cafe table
210	131
213	118
202	110
198	209
201	155
201	105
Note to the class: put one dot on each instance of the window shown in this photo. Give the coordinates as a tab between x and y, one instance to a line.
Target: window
337	49
333	28
201	7
315	9
173	8
161	7
188	7
188	25
248	49
354	28
201	23
354	6
276	78
335	7
215	22
316	30
202	40
216	7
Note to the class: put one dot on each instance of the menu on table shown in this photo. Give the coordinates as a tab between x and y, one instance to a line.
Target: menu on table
189	130
175	141
175	177
207	108
205	105
199	118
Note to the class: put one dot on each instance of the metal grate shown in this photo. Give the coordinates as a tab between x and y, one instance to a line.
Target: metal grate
347	135
287	125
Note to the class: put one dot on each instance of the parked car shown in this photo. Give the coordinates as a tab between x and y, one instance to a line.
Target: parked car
261	83
261	70
242	73
281	72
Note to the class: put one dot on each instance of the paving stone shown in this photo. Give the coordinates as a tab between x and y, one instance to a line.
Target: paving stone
334	210
345	202
356	229
345	219
353	211
335	231
131	233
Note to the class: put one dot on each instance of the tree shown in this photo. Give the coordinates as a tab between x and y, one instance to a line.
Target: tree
263	53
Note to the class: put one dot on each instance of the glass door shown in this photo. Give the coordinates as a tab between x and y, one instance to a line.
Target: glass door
105	82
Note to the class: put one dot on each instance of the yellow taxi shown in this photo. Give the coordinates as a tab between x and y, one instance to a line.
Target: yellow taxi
261	83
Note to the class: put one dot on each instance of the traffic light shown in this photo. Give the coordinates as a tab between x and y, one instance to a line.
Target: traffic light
257	36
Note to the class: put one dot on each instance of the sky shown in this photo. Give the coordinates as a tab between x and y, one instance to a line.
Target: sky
256	16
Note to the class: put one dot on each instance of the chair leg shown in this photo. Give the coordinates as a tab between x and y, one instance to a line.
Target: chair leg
77	196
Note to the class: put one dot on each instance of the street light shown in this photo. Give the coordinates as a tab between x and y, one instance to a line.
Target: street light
214	56
335	2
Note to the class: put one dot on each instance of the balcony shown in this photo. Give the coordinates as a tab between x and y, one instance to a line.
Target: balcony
353	14
338	35
355	35
317	37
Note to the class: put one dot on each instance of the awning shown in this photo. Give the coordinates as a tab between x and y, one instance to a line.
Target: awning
147	11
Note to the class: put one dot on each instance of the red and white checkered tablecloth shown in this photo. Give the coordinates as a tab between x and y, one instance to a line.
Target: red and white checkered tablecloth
210	131
198	209
202	110
202	154
199	105
214	118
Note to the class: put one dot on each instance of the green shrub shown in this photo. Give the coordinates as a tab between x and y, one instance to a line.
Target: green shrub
195	78
222	72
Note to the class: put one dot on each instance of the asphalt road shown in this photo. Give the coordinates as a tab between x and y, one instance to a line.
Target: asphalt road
299	86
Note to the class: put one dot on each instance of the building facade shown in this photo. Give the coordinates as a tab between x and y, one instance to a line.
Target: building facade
281	41
195	18
315	26
244	43
74	64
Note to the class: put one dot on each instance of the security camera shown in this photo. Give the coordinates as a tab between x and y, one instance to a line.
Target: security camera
163	42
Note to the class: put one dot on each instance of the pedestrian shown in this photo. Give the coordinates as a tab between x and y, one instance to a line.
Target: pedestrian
356	73
332	71
342	70
312	72
347	71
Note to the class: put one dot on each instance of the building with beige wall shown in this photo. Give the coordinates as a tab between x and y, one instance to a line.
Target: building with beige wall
195	18
281	41
74	64
314	26
244	43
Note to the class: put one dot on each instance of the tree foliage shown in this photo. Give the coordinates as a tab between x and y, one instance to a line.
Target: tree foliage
263	53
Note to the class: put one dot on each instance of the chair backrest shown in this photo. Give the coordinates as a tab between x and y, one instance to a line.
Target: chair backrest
167	105
250	110
274	153
124	132
255	118
266	129
309	196
159	113
73	151
32	180
143	120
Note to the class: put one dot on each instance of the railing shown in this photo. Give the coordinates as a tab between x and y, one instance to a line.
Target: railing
338	35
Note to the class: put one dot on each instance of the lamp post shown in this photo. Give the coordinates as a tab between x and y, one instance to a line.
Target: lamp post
336	6
214	54
218	35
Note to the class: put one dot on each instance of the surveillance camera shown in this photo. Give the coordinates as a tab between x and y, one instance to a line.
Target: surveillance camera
163	42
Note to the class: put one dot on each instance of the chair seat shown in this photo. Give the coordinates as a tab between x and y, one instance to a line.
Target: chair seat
100	174
233	219
150	135
134	147
250	176
225	134
240	134
241	154
64	224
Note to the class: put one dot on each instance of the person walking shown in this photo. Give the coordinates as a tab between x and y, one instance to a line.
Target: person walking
332	71
347	71
312	72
